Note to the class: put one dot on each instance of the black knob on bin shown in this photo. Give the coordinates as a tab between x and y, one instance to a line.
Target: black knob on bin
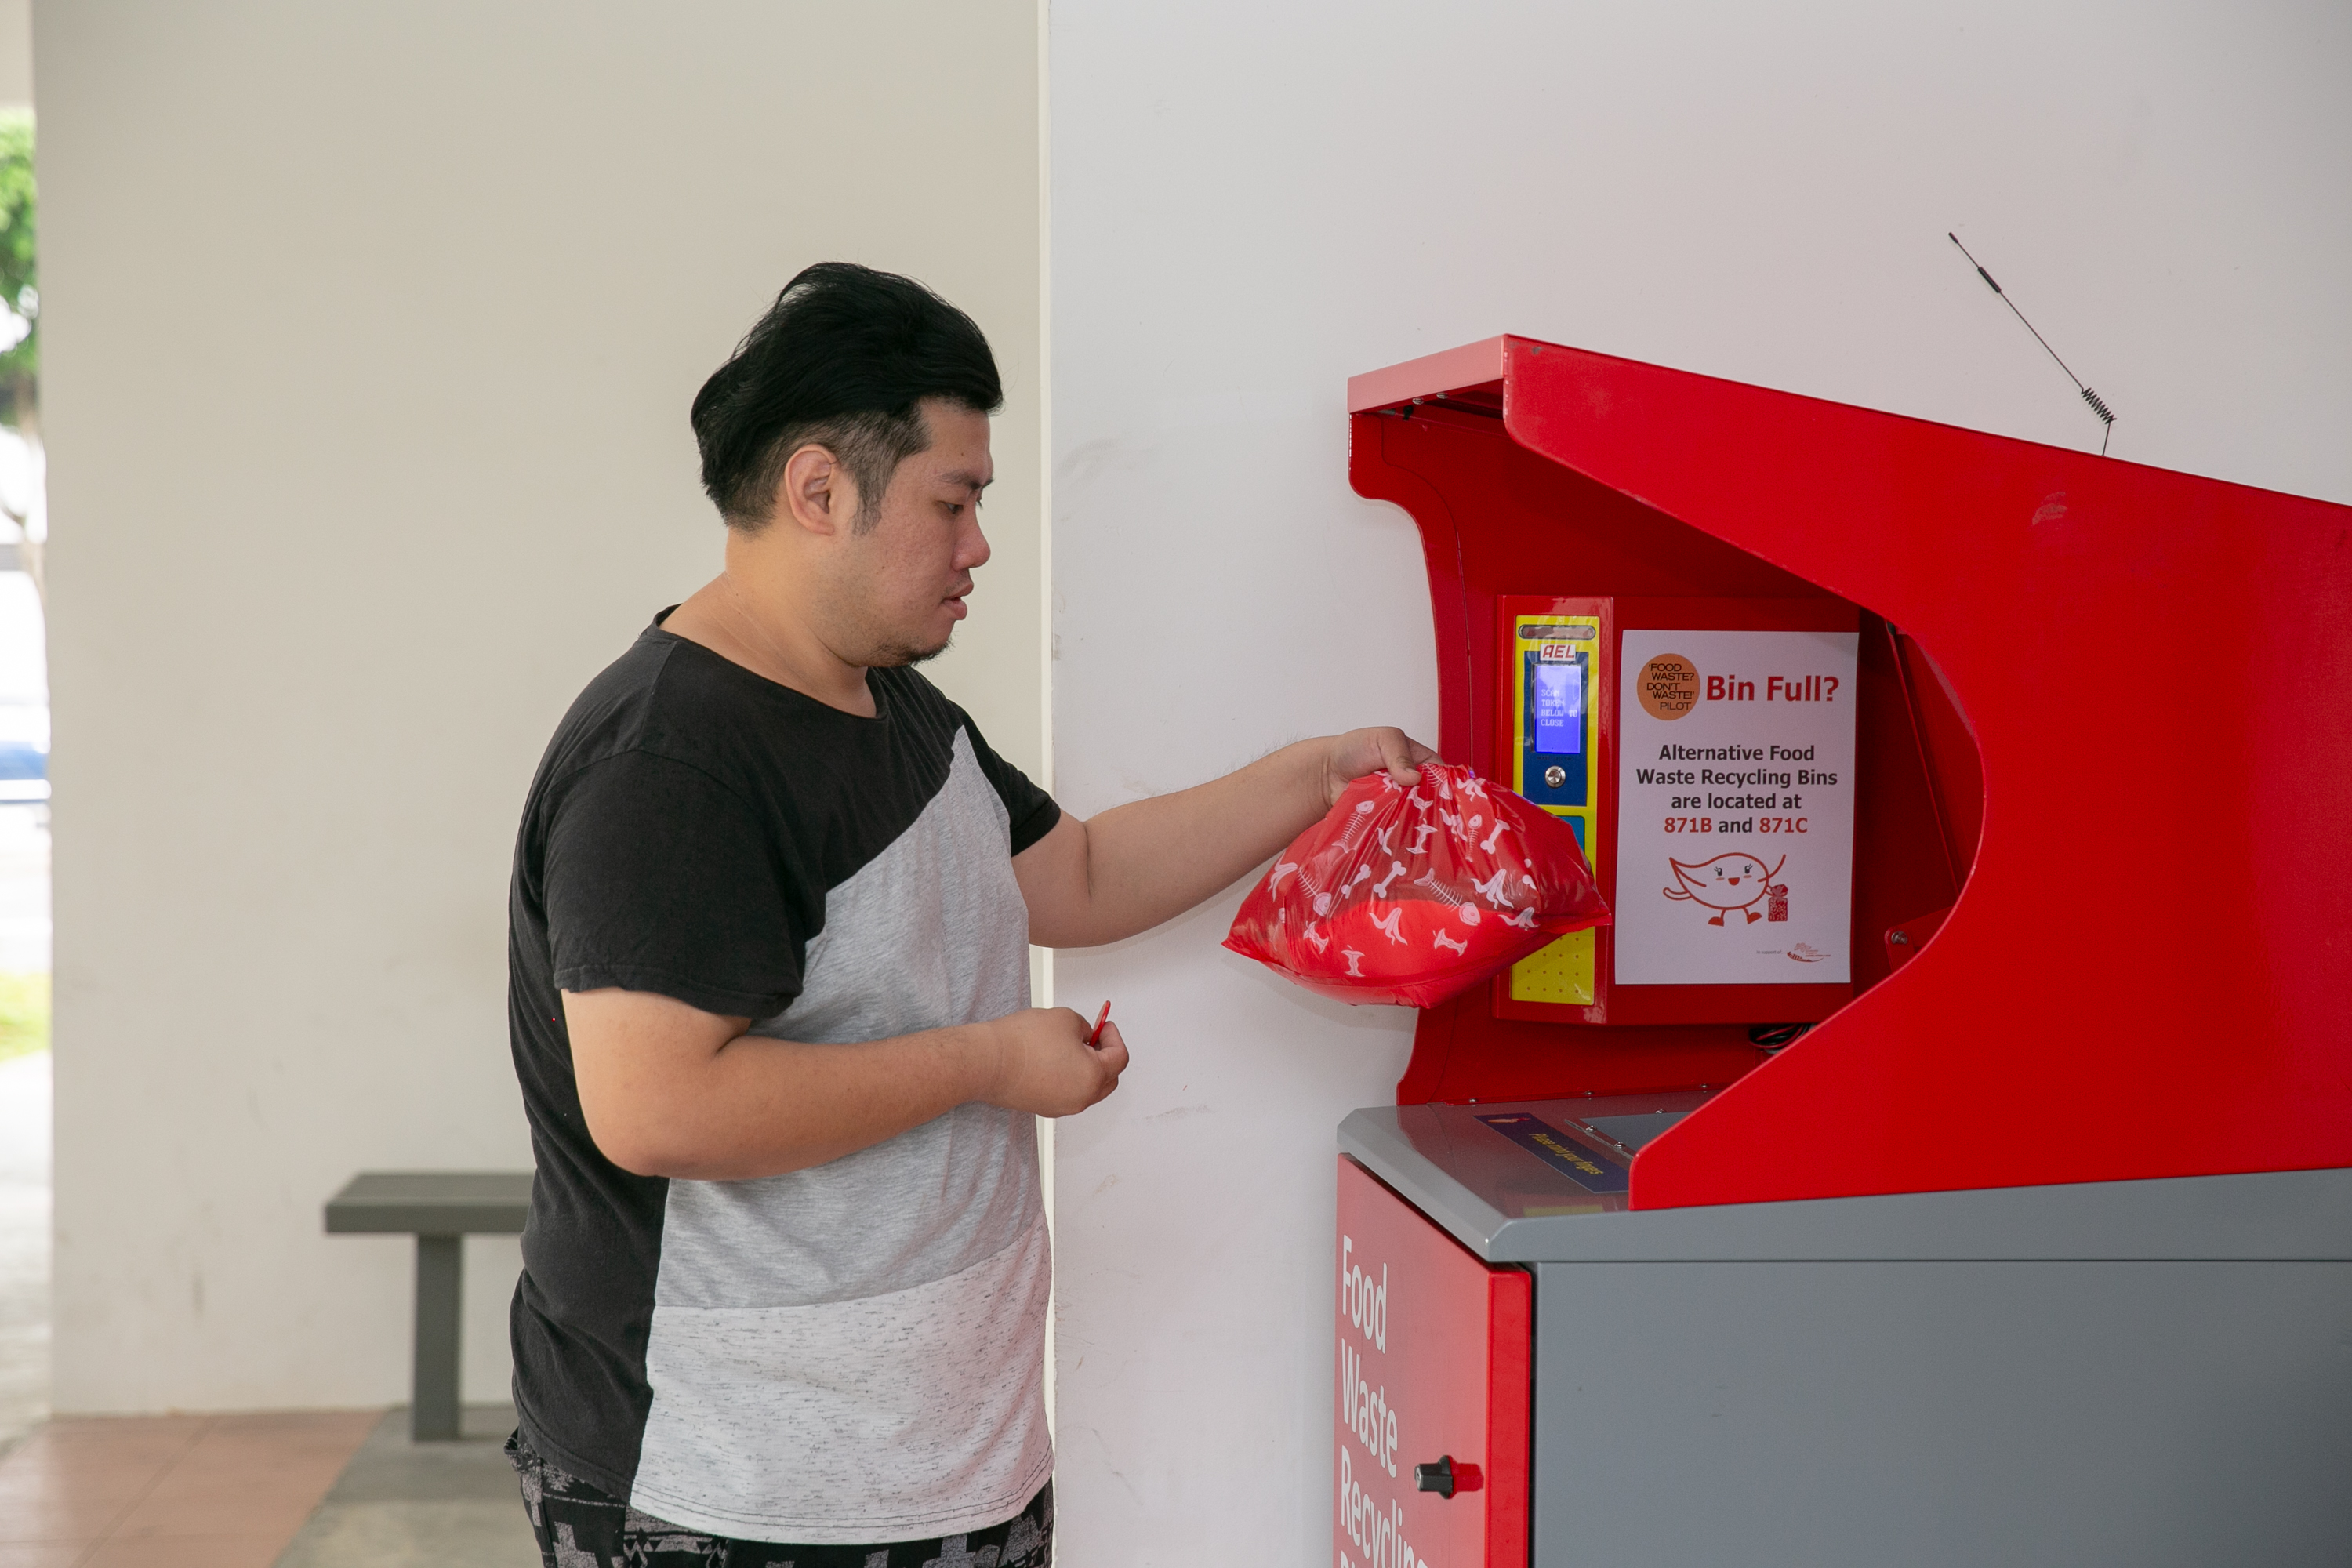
1437	1477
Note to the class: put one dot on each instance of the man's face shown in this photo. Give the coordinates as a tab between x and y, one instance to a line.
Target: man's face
899	587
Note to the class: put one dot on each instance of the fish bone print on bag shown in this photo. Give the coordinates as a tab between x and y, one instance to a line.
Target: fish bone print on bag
1410	896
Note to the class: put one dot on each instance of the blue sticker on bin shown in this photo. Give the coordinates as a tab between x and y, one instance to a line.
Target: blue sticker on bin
1588	1168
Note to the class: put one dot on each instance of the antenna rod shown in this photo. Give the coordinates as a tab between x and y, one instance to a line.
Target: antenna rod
2099	404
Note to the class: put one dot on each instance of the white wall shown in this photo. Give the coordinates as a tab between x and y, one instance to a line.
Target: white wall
1249	203
370	336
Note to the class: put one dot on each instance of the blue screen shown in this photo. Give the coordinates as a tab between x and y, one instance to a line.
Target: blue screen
1560	708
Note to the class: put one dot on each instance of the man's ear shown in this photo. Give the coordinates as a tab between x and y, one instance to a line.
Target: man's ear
817	494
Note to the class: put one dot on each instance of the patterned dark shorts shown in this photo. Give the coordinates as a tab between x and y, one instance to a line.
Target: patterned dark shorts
580	1527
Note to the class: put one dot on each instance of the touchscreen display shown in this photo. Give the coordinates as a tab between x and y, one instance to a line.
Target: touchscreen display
1560	708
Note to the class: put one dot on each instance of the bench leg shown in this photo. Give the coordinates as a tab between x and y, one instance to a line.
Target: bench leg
440	1278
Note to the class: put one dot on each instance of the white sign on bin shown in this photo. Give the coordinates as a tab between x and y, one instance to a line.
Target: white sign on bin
1735	808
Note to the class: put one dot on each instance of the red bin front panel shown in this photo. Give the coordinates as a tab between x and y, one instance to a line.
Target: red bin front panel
1434	1364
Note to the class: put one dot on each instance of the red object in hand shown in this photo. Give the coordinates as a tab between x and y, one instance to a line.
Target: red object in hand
1410	895
1094	1035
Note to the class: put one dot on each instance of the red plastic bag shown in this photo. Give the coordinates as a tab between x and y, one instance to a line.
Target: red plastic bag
1412	895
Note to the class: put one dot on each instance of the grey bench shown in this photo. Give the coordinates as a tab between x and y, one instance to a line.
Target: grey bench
440	1208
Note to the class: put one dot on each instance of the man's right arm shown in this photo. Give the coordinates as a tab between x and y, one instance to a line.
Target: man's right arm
671	1090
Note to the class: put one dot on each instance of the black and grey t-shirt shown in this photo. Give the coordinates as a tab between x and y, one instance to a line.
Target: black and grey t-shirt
851	1353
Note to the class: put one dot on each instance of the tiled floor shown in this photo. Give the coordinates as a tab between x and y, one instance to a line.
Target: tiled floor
193	1491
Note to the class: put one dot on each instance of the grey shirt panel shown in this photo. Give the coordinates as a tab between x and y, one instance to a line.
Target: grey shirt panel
931	932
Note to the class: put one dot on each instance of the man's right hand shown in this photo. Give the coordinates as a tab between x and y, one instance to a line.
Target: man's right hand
669	1090
1044	1066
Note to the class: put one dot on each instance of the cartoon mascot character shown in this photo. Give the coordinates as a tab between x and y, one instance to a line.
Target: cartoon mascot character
1733	883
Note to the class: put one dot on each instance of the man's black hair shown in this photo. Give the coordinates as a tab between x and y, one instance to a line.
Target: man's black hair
841	359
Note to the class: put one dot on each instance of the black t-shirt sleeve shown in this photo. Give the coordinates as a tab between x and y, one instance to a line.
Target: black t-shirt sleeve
658	879
1033	811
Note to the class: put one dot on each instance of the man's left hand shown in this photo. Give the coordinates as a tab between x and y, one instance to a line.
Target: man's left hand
1350	757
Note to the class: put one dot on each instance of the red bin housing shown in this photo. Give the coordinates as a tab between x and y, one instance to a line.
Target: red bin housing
2023	1236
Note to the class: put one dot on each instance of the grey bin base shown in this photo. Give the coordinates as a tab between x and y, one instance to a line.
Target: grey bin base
2135	1373
1934	1413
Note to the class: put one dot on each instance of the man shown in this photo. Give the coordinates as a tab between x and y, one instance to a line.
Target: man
784	1285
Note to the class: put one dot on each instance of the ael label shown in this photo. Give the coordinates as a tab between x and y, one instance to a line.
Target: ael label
1735	808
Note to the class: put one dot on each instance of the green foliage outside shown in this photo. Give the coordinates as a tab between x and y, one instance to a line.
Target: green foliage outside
19	271
24	1015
